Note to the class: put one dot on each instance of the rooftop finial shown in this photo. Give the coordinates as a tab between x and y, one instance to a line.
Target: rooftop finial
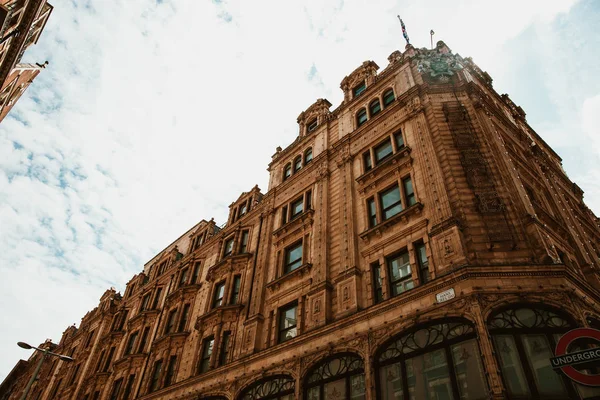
404	31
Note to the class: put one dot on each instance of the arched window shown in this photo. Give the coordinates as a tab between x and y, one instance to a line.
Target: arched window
280	387
361	117
437	361
339	377
308	155
297	163
388	97
524	338
374	107
287	171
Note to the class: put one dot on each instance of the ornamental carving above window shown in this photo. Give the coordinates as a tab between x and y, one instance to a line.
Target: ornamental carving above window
527	318
338	366
270	388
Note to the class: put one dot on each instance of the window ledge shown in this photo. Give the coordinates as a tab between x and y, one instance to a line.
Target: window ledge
169	336
399	159
300	271
218	314
403	216
182	291
128	357
141	315
305	218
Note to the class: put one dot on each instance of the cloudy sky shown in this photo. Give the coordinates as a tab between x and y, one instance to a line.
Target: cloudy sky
154	114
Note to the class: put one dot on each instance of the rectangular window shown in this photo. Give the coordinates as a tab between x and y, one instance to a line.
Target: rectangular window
297	208
228	248
170	328
131	343
288	322
155	380
145	302
129	387
391	203
400	274
293	257
207	349
358	89
185	314
218	294
284	215
114	394
377	282
196	273
372	210
235	290
122	320
233	215
399	140
100	361
111	353
367	161
383	151
423	262
145	335
183	277
88	341
74	376
243	209
244	242
157	298
224	348
170	371
409	192
308	196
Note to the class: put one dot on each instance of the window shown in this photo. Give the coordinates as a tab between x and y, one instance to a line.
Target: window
297	163
288	322
235	290
218	294
367	160
388	97
111	353
409	192
400	274
243	210
155	379
284	214
74	376
183	276
233	215
440	360
383	151
297	208
185	314
293	257
88	341
224	348
339	377
144	339
377	282
308	196
157	298
358	89
372	210
278	387
145	302
308	156
129	387
374	107
361	117
244	242
131	343
312	125
287	171
423	262
399	140
228	247
170	328
100	361
391	204
114	394
207	349
196	273
170	371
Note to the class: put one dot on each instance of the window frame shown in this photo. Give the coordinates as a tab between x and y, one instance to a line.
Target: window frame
312	125
228	245
131	342
293	205
359	89
154	383
171	321
224	350
185	316
287	262
361	117
297	164
287	171
282	331
387	143
404	280
245	235
235	289
170	372
215	299
208	346
386	98
307	152
374	102
384	210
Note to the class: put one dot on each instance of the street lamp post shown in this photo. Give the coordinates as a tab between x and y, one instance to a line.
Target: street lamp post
45	354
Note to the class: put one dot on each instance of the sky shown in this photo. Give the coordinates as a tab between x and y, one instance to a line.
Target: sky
155	114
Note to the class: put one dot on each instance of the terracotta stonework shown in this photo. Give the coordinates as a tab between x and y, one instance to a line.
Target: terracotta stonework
419	240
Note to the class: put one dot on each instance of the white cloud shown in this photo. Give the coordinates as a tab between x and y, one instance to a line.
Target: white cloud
152	116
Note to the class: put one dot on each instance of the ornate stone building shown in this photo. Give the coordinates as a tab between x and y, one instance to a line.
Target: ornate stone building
21	24
419	241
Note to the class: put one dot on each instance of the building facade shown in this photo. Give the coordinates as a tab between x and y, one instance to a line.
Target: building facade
420	241
21	24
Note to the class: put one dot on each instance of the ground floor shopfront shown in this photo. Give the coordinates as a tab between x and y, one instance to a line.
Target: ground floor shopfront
481	346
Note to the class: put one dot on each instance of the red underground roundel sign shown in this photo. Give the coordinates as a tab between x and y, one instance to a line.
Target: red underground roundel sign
565	361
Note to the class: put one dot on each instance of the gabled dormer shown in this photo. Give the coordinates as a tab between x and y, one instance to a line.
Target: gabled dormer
359	80
244	204
314	116
202	232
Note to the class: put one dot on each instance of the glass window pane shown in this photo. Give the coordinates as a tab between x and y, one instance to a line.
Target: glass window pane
538	353
357	387
391	203
391	382
512	371
297	207
361	117
428	377
388	97
468	370
383	151
375	107
335	390
399	140
314	393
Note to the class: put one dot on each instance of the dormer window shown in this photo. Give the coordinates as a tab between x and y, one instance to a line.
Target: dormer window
357	90
312	125
297	164
361	117
388	97
287	171
308	156
374	107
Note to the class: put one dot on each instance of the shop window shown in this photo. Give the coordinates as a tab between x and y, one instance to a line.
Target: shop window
218	294
388	97
359	89
293	257
361	116
400	275
288	322
308	156
437	361
339	377
155	378
280	387
207	349
374	107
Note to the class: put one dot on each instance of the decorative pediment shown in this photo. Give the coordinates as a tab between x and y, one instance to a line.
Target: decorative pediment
314	116
218	316
234	263
365	73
